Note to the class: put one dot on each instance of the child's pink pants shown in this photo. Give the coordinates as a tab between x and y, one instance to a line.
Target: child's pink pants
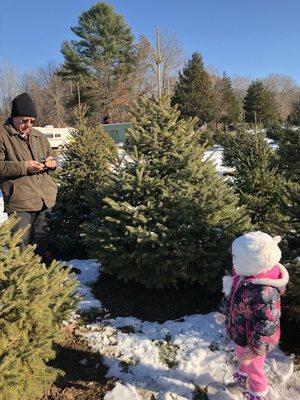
254	371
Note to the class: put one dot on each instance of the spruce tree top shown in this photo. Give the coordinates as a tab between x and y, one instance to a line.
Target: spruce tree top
194	93
260	105
104	37
228	104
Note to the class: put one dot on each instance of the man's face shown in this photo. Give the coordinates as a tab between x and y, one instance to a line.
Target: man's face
23	124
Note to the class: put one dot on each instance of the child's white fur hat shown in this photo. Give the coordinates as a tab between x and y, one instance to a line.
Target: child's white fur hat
255	252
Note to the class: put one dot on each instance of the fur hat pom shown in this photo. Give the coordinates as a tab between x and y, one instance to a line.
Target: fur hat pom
277	239
255	252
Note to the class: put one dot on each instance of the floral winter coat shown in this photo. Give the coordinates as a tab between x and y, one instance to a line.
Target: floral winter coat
253	309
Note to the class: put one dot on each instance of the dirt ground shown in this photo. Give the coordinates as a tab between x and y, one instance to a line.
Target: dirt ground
130	299
84	373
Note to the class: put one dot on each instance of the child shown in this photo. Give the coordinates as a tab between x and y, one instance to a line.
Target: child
251	307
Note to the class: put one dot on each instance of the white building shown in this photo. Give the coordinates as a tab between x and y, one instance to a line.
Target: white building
56	136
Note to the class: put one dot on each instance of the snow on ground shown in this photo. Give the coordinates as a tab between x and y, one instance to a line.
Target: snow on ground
215	154
89	273
169	360
3	215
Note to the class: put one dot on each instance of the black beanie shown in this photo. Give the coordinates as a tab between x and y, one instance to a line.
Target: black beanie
22	106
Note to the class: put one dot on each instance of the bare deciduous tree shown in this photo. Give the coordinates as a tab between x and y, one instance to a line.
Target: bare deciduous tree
142	78
9	87
240	85
172	60
286	92
49	93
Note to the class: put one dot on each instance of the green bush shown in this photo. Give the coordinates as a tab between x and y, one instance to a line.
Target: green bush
34	301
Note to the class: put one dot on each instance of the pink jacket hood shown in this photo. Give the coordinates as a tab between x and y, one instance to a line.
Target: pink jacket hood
277	276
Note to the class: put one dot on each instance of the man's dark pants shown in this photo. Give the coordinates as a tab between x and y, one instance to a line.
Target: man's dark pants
38	229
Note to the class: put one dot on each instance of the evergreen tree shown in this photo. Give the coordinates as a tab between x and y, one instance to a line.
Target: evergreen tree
294	117
292	301
194	93
257	181
289	154
229	109
168	216
275	131
35	300
260	105
102	54
86	168
293	211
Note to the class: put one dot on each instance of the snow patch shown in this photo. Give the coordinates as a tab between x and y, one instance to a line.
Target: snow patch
215	154
90	272
201	355
3	215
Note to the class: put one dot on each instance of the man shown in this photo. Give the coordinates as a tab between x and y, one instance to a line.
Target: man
26	158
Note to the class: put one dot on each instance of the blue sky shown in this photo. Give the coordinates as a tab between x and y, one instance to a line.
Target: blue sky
242	37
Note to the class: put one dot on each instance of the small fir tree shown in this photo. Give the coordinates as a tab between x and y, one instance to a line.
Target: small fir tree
35	300
85	169
292	301
168	216
294	117
288	158
257	181
260	105
289	154
229	110
275	131
293	211
194	93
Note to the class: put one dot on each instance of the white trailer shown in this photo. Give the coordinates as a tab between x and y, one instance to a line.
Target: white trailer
56	136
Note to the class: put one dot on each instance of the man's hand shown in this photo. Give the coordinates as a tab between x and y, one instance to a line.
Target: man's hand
33	167
51	162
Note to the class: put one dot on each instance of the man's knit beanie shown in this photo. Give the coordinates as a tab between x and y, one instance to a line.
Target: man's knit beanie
22	106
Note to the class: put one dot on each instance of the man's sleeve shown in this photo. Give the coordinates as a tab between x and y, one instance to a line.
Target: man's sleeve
10	169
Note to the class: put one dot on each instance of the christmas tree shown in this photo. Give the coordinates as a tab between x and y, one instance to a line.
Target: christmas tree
35	300
289	154
229	110
260	105
292	301
99	60
168	216
288	157
257	181
194	93
86	167
294	117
